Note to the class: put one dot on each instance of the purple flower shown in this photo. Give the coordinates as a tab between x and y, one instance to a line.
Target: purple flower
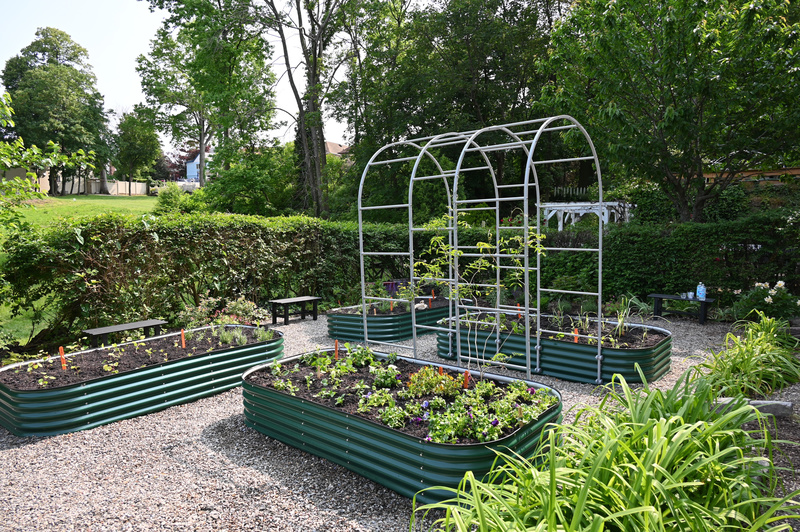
495	422
425	404
469	413
425	416
532	391
428	438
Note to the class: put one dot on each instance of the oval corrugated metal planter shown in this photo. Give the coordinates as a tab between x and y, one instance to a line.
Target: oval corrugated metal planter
570	361
47	412
387	456
389	328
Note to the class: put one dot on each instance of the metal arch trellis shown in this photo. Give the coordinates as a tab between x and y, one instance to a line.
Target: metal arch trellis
475	148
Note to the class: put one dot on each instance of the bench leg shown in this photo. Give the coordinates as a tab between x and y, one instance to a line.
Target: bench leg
274	313
315	309
286	314
656	306
302	310
702	316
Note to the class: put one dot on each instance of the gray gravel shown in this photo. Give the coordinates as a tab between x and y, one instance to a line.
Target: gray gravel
198	467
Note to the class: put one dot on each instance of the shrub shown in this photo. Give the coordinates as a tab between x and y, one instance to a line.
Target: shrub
775	302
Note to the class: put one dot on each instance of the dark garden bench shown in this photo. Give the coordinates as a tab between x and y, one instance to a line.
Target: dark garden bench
658	308
286	302
103	332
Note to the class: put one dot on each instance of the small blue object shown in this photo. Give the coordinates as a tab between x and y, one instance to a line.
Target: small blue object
701	292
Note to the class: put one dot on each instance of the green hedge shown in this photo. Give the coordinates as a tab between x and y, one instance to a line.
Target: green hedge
113	268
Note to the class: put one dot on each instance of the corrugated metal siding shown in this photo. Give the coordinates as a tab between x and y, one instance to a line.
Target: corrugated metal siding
387	456
100	401
381	328
570	361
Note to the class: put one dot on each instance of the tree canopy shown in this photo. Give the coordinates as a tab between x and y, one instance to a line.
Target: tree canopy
672	90
55	97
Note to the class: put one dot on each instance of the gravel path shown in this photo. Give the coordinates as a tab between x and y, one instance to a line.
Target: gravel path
198	467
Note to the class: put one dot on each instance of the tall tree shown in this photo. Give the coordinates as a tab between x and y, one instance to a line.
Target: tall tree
209	65
168	86
55	98
671	90
138	144
311	26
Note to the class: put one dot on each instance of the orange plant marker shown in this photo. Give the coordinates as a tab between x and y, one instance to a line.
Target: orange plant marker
430	302
441	371
466	379
519	316
575	332
336	348
183	340
63	360
391	306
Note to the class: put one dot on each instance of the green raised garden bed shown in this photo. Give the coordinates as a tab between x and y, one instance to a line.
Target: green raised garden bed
387	456
103	400
567	360
381	328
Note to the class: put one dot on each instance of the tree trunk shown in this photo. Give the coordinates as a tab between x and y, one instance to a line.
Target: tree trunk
52	179
130	181
201	162
103	180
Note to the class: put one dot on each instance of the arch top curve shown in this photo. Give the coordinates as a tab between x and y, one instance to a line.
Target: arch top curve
497	177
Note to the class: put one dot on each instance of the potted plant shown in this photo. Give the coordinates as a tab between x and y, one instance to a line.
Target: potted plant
85	389
404	423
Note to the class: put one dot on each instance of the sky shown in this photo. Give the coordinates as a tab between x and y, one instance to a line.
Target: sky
115	33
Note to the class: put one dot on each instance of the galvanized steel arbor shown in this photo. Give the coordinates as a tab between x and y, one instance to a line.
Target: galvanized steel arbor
422	159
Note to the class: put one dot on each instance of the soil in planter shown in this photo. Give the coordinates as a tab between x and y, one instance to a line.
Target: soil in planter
113	360
631	337
310	384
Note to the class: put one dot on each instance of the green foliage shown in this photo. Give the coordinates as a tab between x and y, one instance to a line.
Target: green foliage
172	199
776	302
55	99
672	90
642	460
756	364
260	182
138	144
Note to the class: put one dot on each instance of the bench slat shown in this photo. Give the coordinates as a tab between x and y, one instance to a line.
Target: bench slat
125	327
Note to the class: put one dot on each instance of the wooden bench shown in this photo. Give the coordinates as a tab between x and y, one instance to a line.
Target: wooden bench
103	332
286	302
658	308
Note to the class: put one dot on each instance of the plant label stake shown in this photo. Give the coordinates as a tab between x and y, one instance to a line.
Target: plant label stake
575	332
336	349
466	379
441	371
391	306
63	360
183	340
519	315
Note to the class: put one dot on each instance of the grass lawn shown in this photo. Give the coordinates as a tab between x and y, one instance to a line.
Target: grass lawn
50	210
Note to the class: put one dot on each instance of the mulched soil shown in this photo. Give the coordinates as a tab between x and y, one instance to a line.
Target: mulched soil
85	366
418	429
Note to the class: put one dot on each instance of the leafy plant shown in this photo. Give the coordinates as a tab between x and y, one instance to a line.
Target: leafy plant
641	460
755	365
775	301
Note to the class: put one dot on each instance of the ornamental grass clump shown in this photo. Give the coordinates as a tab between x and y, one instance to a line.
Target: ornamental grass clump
756	364
642	460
